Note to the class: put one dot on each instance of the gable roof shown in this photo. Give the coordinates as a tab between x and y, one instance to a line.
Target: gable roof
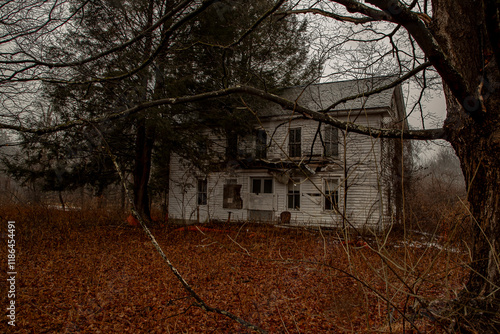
322	95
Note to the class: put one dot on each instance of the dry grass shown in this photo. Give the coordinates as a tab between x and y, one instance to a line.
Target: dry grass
88	272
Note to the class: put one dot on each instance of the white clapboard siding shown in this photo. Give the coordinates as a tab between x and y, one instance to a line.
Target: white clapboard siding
364	198
357	169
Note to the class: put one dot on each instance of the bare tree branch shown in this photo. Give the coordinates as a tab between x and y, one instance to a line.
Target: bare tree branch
118	48
429	134
357	7
334	16
416	25
154	54
423	36
381	89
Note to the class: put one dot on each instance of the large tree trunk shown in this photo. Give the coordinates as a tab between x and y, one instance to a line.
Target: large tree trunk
145	137
473	128
143	152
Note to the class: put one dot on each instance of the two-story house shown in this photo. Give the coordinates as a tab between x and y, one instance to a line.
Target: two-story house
322	175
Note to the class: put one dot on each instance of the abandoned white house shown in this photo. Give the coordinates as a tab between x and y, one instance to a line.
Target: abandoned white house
320	174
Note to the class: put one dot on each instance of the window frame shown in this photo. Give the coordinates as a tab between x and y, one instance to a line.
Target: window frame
202	192
293	195
295	142
231	196
262	187
331	141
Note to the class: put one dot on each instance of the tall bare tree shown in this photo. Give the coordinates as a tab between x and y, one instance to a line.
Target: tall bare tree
460	40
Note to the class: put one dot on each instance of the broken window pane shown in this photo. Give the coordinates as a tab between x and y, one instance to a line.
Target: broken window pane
331	194
232	198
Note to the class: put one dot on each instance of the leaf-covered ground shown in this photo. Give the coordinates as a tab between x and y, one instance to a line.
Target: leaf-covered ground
90	273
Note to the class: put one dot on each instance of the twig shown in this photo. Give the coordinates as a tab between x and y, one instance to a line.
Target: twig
200	302
248	253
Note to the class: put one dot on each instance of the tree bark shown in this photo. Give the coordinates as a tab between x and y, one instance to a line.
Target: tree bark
145	137
462	30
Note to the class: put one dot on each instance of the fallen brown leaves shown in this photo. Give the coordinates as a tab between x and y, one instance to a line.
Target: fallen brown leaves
94	274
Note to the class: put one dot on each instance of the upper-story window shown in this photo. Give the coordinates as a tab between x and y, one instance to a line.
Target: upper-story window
294	142
331	142
261	144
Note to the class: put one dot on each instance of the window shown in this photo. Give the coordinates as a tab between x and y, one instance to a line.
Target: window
294	143
331	194
331	142
232	196
261	144
202	191
262	185
293	194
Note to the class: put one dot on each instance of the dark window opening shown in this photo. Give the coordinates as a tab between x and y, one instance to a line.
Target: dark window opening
262	185
232	197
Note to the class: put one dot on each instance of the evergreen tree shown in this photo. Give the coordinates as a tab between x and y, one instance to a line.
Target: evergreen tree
206	52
